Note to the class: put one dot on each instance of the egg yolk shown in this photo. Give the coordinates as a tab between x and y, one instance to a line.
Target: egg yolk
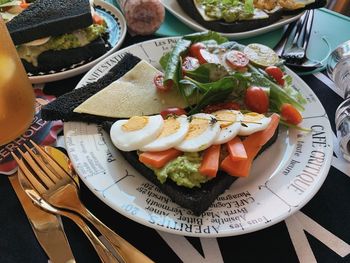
197	126
135	123
252	117
225	118
170	126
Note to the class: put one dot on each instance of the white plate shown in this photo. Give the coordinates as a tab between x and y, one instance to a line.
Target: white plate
116	26
173	7
298	164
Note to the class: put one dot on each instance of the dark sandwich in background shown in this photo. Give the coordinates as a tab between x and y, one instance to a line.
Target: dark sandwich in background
52	35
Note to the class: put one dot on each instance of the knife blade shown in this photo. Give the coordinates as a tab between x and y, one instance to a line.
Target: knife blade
47	228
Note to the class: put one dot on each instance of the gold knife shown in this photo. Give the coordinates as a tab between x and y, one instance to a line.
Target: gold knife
47	228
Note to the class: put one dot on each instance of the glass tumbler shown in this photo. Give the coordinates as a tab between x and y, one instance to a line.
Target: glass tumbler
16	92
338	69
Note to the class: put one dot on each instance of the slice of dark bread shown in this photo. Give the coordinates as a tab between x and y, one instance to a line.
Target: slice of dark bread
45	18
62	108
196	199
190	9
64	59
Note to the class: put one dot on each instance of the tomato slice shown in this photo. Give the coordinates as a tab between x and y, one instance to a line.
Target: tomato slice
276	73
290	114
160	85
256	100
236	59
199	51
97	19
194	49
206	57
189	63
172	111
230	105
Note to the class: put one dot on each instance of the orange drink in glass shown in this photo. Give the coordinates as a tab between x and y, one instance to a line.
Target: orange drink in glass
16	92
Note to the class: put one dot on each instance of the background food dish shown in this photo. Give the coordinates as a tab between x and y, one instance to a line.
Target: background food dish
173	7
117	31
267	193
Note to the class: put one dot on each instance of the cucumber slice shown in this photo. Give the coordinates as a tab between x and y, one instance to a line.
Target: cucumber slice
261	55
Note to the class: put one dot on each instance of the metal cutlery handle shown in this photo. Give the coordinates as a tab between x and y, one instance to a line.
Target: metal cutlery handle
105	255
127	251
299	32
46	226
307	32
284	39
124	248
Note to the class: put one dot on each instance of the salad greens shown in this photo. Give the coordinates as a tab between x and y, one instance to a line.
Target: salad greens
278	95
172	62
206	36
211	83
213	92
208	72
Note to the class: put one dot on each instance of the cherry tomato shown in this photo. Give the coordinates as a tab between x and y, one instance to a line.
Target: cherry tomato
160	85
189	63
256	100
199	51
172	111
236	59
276	73
230	105
290	114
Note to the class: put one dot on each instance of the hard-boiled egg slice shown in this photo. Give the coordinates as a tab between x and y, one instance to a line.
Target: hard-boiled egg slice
173	132
134	133
202	133
253	122
230	123
37	42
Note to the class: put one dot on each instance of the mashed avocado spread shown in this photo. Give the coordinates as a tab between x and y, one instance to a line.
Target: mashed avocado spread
183	170
228	10
78	38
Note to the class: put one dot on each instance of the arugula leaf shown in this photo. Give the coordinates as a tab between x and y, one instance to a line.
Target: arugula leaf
294	126
173	62
164	60
208	72
291	91
203	36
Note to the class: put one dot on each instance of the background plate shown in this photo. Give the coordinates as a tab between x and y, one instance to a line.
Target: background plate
298	165
173	7
117	31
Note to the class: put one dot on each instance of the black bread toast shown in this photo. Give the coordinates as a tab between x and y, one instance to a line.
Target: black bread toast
190	9
46	18
196	199
62	108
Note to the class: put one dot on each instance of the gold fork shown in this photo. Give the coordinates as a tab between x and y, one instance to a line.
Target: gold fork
33	188
58	189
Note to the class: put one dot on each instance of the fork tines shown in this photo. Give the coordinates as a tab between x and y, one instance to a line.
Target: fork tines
39	167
